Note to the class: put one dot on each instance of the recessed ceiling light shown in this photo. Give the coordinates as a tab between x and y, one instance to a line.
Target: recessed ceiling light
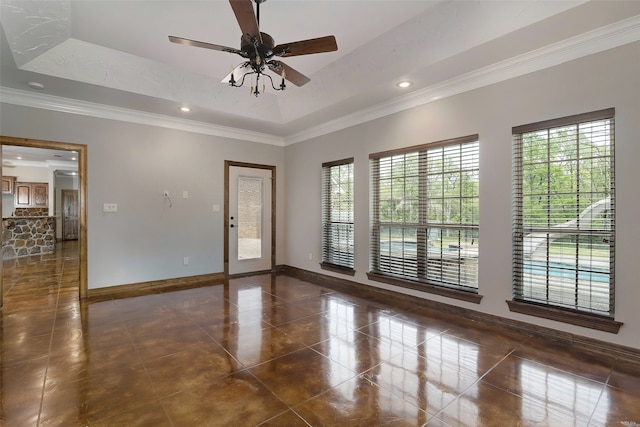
185	109
404	84
35	85
18	157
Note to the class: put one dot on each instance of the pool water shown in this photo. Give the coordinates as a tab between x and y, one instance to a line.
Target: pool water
564	270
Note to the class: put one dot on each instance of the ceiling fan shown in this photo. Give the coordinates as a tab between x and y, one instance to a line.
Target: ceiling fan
259	49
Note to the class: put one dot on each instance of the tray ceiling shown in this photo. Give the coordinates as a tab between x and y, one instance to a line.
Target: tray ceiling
114	56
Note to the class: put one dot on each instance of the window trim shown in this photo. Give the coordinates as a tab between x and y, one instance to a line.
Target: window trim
565	121
565	315
550	310
448	290
445	291
336	268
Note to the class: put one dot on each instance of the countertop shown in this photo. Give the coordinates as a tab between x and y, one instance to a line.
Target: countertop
30	216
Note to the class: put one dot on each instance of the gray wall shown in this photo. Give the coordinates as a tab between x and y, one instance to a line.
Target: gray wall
131	165
608	79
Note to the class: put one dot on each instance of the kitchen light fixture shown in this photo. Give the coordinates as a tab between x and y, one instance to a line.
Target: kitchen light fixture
404	84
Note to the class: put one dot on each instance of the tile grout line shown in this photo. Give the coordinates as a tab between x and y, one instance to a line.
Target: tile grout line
124	324
146	371
475	382
53	328
515	351
248	369
604	388
289	407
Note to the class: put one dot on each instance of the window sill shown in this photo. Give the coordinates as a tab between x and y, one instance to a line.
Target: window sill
591	321
337	269
468	296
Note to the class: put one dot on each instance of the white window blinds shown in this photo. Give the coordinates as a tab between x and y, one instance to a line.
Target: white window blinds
337	214
425	213
564	213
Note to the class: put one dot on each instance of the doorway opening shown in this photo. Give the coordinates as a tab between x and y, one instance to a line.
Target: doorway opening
80	153
250	218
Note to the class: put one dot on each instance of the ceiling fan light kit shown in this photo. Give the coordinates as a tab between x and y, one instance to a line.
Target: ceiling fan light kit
259	49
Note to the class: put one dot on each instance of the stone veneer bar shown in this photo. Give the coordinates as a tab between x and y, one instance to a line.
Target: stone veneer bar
28	232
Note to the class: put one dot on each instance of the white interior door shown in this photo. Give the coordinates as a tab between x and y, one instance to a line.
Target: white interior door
249	219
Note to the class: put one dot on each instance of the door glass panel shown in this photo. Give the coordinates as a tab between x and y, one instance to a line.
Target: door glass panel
249	217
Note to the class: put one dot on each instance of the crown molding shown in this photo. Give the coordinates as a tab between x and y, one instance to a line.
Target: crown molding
84	108
598	40
591	42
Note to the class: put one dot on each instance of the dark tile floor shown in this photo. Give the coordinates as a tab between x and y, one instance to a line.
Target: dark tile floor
277	351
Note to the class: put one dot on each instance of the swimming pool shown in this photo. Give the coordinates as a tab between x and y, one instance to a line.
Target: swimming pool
564	270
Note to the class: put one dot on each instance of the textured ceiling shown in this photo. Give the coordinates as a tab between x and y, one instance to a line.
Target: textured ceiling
116	53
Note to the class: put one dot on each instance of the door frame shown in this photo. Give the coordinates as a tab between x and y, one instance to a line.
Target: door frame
227	165
81	150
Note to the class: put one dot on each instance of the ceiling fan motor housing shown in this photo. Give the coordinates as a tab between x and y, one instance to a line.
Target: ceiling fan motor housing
258	53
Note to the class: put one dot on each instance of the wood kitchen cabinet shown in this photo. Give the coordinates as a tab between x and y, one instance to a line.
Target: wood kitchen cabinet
8	182
31	195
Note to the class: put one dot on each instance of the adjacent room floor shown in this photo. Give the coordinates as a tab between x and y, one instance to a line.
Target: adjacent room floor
275	350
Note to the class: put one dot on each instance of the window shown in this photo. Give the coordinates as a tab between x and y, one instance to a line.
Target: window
337	216
425	215
563	213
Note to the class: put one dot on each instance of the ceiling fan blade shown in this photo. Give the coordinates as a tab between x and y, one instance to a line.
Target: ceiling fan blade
195	43
294	76
246	18
306	47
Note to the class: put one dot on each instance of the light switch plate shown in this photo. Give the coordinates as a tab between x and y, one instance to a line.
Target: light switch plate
216	207
110	207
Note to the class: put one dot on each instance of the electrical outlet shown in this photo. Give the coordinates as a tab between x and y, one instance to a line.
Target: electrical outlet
310	256
185	260
185	194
